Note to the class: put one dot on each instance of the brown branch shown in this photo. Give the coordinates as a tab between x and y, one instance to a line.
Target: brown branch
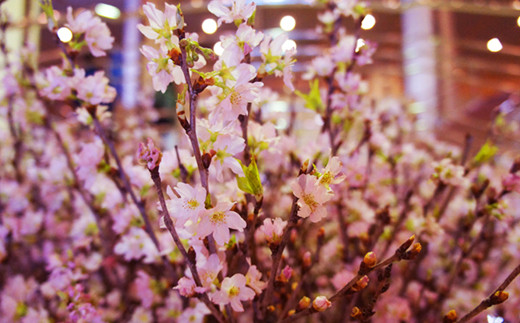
495	298
171	228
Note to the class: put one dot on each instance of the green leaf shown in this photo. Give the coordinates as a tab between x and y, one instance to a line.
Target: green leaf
251	182
313	99
485	154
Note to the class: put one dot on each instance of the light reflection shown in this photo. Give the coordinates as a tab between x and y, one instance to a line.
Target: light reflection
368	22
287	23
494	45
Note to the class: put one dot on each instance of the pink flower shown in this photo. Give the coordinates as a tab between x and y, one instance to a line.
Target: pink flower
93	89
321	303
253	279
511	182
186	287
448	173
235	48
329	175
188	205
81	22
161	68
194	314
272	230
238	94
136	244
226	146
142	285
98	38
161	23
311	196
208	270
54	84
149	155
218	221
239	11
232	291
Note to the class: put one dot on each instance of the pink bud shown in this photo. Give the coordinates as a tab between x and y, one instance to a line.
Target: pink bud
321	303
149	155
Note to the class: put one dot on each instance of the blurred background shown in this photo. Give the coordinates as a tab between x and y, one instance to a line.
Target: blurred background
456	60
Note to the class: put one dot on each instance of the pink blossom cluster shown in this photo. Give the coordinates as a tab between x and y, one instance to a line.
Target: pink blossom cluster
340	208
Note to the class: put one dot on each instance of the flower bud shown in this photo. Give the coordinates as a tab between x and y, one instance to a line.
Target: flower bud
149	155
304	303
361	284
499	297
356	313
370	259
321	303
307	259
450	317
286	274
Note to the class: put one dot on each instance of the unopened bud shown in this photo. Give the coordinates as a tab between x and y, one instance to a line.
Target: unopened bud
361	284
321	303
305	166
406	245
206	160
307	259
149	155
356	313
414	251
271	308
286	274
370	259
450	317
304	303
291	312
499	297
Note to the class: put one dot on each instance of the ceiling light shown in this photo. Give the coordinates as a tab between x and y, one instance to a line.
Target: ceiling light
518	21
287	23
494	45
360	43
107	11
218	49
209	26
64	34
288	45
368	22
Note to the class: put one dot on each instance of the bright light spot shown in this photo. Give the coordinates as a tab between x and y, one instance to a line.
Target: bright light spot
360	43
494	45
218	49
518	21
288	45
107	11
288	23
368	22
209	26
64	34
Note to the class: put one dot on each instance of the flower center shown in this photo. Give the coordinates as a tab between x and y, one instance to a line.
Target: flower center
234	291
310	201
192	204
326	178
235	98
218	217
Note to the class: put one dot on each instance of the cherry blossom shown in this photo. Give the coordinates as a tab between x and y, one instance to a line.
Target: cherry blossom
161	23
218	220
240	10
233	291
311	197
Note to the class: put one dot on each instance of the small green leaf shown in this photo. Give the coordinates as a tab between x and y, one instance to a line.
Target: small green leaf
485	154
251	182
313	99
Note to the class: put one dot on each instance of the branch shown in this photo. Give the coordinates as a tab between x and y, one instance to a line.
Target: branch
497	297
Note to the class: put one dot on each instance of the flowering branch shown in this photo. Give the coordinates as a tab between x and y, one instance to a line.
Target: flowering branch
497	297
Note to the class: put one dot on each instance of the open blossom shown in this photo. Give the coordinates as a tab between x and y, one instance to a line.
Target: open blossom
329	175
186	287
254	279
272	230
447	172
208	270
226	146
97	34
54	84
218	221
238	94
136	244
311	196
233	291
161	23
238	46
240	10
188	205
93	89
161	68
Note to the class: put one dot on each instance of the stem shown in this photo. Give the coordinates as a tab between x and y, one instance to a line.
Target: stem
486	303
277	254
171	228
126	182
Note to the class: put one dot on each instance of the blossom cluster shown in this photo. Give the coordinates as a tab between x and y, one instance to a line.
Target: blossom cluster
247	218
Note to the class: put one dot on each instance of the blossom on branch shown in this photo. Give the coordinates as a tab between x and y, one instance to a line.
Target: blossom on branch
311	197
233	291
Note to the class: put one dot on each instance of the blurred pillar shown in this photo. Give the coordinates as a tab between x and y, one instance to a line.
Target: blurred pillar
447	54
419	61
131	66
